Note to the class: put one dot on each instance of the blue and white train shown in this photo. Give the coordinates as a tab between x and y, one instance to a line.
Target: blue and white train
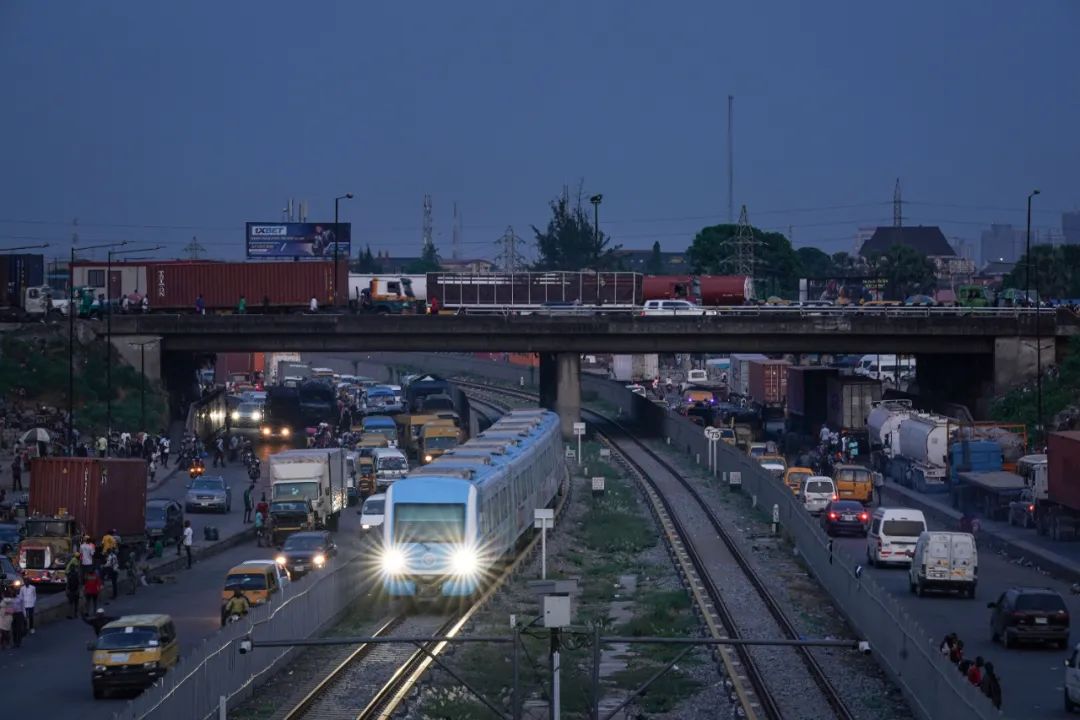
449	522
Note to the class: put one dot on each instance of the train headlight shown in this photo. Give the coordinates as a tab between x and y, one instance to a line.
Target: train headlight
393	561
464	561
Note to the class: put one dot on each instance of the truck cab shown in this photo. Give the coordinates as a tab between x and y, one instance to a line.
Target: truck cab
46	548
388	296
437	437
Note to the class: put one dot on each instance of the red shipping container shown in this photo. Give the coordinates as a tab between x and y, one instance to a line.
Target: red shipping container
101	493
1063	468
725	289
768	381
284	284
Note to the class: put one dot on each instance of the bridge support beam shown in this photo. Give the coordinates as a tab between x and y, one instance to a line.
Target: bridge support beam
560	388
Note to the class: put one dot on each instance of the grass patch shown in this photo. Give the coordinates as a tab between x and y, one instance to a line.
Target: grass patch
664	694
614	524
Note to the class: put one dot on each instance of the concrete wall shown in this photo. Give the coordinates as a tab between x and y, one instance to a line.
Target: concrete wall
126	347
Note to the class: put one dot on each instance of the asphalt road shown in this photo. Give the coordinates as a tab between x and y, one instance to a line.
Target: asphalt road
1032	678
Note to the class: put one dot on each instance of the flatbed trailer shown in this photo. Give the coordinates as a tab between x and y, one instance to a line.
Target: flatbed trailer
988	493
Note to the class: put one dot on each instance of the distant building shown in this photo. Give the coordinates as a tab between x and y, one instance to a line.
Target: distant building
1000	243
1070	226
864	233
468	266
952	270
671	263
994	272
925	239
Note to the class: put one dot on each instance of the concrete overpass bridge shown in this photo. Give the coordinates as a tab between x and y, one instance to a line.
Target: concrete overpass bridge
965	355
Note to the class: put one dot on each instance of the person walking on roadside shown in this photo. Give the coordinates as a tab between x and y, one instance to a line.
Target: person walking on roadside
163	447
262	506
956	655
189	538
151	469
110	542
102	446
71	587
6	621
112	570
248	502
258	528
86	555
241	307
18	619
219	452
991	685
28	593
91	590
975	672
200	305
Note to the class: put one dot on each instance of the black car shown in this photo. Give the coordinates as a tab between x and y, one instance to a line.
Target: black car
306	551
164	520
1027	613
845	516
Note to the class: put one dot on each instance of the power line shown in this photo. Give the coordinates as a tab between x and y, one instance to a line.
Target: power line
509	258
194	248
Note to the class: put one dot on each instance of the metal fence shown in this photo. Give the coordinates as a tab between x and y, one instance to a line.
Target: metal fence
215	669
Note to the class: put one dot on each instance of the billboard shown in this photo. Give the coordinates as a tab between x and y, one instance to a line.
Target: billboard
289	239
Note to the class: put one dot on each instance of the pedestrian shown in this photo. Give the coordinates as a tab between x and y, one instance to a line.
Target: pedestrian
98	621
7	612
258	528
200	305
163	447
248	503
189	537
947	645
102	446
991	685
219	451
151	468
16	474
72	583
91	590
110	542
313	306
112	570
28	593
263	506
974	673
86	555
956	655
18	619
241	307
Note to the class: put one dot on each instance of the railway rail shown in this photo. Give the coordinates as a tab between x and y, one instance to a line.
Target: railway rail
373	681
691	526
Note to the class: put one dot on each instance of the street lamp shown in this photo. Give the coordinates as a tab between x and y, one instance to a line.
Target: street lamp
337	234
1038	331
142	377
71	338
108	328
1027	274
596	200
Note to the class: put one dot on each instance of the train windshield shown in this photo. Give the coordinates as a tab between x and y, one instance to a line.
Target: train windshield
429	522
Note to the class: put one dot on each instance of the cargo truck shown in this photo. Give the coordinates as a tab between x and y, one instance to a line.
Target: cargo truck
317	476
635	368
739	382
278	362
72	497
437	437
849	401
883	430
1057	512
807	398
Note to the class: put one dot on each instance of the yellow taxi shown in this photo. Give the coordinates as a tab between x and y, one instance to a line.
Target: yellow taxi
132	653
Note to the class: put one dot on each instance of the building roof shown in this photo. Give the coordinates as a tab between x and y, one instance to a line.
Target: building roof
997	267
926	239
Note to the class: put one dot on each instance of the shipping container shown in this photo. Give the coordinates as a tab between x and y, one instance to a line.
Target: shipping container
740	372
231	366
635	368
850	400
534	290
1063	461
18	272
807	396
768	382
100	493
699	289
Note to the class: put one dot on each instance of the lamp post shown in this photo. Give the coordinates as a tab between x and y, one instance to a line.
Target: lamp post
1027	273
596	200
337	234
1038	331
142	378
108	329
71	338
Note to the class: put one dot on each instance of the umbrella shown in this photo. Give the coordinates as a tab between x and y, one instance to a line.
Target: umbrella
36	435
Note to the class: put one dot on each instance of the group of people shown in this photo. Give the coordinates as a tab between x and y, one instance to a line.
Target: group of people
16	614
979	672
88	570
261	509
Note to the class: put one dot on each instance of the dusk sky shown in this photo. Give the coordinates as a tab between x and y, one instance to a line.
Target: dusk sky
155	121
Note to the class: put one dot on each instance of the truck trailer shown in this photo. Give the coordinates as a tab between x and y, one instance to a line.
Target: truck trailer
317	476
635	368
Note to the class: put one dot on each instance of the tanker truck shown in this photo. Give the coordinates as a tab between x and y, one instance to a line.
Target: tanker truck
923	451
883	425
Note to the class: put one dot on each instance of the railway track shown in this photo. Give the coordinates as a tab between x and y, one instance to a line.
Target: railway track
375	679
731	597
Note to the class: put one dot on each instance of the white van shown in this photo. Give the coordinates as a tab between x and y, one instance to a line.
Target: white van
390	465
371	514
817	492
944	561
886	368
893	534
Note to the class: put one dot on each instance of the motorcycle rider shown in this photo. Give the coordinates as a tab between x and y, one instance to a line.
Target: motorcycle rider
237	605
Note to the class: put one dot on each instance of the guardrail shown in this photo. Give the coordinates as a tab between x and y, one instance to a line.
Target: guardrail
215	669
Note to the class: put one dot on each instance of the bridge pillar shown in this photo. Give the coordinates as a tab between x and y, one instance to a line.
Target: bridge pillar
548	380
1016	360
568	391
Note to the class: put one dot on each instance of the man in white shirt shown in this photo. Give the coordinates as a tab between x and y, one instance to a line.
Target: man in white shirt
313	306
86	555
823	436
189	537
28	594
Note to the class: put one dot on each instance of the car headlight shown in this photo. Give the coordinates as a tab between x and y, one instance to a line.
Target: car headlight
319	559
365	527
428	458
393	562
256	416
236	415
464	561
266	431
285	432
280	560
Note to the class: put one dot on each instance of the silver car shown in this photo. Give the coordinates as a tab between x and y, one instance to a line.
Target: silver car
208	493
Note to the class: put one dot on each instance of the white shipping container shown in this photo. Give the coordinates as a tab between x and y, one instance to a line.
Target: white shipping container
635	368
739	381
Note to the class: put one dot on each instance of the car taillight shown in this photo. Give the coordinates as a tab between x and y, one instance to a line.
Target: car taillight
832	516
835	497
1031	508
864	517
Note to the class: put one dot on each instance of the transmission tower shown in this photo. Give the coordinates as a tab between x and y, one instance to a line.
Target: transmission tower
509	259
455	242
897	206
194	248
426	238
744	242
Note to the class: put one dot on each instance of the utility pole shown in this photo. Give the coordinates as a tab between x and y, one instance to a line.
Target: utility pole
426	239
730	159
509	259
455	242
194	248
596	200
897	206
743	256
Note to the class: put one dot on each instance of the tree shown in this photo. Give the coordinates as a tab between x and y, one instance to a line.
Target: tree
815	263
570	241
907	271
1055	271
366	262
655	264
776	266
427	262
